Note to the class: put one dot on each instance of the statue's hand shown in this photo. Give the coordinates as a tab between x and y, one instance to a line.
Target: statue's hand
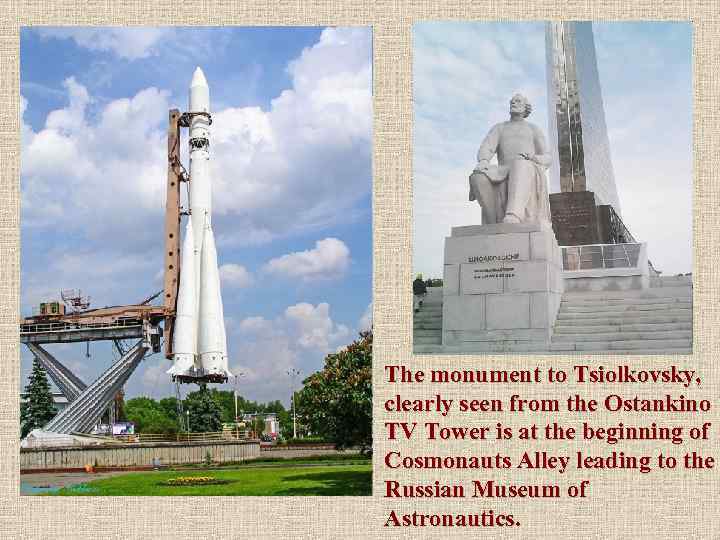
482	166
526	156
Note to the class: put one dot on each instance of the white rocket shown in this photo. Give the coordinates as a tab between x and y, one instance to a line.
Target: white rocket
199	342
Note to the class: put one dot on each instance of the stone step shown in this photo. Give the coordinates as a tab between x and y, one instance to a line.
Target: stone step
625	301
427	327
424	325
665	351
628	319
427	331
623	336
428	314
679	350
427	340
670	281
432	319
430	349
662	292
516	346
643	327
564	308
444	349
624	345
627	316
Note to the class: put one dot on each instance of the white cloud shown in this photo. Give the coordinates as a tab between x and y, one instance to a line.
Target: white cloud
313	326
365	322
109	171
128	43
256	325
301	165
305	325
235	276
264	364
329	259
100	273
464	75
26	132
299	338
155	382
304	163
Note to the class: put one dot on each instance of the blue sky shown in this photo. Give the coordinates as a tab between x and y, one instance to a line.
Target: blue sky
291	154
464	75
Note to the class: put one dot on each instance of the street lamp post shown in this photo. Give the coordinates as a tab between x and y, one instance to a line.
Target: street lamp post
292	372
237	378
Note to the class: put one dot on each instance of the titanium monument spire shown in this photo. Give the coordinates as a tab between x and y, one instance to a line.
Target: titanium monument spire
576	117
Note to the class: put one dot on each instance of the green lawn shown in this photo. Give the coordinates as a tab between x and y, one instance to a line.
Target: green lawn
276	479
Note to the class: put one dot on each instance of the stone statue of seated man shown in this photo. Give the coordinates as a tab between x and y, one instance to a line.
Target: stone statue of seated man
514	190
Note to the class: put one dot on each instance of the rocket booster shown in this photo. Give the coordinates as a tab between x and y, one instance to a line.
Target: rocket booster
199	342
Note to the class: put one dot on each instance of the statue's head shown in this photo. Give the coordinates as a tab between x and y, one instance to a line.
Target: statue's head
519	104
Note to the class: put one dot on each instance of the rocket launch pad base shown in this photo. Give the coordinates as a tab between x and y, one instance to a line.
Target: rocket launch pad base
198	379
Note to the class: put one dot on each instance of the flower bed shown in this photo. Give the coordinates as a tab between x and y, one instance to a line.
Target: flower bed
194	481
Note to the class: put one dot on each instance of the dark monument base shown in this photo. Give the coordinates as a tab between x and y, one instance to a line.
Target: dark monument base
577	220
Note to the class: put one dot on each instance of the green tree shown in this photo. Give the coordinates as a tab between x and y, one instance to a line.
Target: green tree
149	416
169	407
336	402
39	408
225	400
205	413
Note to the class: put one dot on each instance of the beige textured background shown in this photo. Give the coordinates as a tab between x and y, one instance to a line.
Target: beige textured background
675	505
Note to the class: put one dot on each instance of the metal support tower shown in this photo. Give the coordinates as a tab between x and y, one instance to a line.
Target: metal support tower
85	411
69	384
115	323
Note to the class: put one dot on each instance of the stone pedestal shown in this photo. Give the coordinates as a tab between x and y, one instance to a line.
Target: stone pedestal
579	221
502	287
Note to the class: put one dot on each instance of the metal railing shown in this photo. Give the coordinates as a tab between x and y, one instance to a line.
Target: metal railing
53	442
149	438
66	326
600	256
210	436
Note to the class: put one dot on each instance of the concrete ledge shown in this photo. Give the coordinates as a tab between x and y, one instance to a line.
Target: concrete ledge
605	283
136	454
457	337
498	228
602	272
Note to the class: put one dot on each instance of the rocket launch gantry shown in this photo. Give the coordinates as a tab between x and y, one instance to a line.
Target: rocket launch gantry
192	311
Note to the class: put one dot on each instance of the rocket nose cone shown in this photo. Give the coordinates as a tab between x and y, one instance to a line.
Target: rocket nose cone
198	78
